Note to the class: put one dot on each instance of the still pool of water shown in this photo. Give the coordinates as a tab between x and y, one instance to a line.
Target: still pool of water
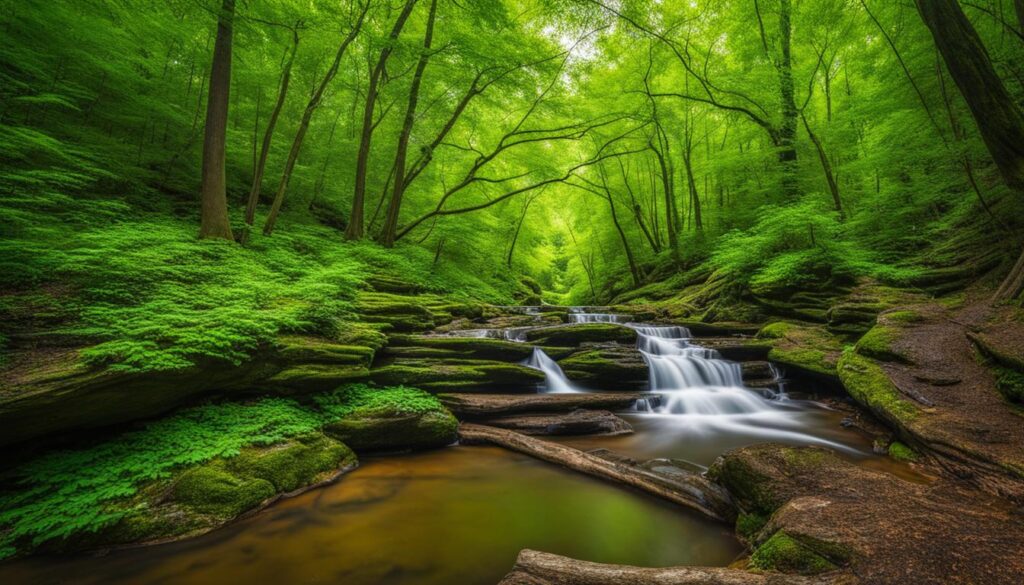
457	516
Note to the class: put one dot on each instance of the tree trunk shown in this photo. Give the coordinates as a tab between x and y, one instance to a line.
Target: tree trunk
634	271
826	166
387	237
787	130
666	181
261	162
999	120
355	229
307	115
519	227
214	222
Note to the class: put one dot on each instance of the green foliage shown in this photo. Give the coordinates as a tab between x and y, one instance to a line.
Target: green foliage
1010	384
65	493
901	452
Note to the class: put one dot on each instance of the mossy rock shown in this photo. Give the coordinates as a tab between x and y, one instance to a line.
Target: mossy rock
294	464
786	554
211	489
308	349
456	374
427	346
316	377
901	452
611	366
569	335
869	385
881	343
385	431
807	348
1010	384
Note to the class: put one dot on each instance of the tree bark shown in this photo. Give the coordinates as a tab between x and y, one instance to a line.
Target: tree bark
356	228
787	129
214	222
634	271
307	116
387	237
261	162
826	166
539	568
692	491
998	117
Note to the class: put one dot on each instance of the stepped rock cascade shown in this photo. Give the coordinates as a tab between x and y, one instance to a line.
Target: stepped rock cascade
557	382
581	317
509	334
707	394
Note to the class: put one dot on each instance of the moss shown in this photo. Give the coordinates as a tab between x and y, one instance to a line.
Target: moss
209	489
577	334
382	432
305	349
903	316
777	330
901	452
604	365
297	463
455	374
783	553
748	525
1010	384
465	347
316	377
868	384
880	343
750	488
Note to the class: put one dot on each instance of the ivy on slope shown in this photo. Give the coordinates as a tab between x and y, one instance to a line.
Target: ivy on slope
69	492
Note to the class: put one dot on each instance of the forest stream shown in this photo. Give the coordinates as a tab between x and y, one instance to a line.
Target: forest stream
461	514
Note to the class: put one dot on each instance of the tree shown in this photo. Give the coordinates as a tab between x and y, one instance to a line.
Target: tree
998	117
355	223
387	236
214	221
261	161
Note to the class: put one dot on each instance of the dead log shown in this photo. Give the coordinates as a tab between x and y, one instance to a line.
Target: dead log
577	422
686	489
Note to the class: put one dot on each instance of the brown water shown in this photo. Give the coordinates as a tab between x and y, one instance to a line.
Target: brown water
458	516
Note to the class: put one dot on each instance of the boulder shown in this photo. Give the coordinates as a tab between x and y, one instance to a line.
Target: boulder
606	365
576	334
385	431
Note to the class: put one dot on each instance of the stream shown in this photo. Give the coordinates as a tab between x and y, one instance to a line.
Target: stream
459	516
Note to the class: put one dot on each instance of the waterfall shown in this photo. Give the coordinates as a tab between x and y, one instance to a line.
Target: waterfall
596	318
555	377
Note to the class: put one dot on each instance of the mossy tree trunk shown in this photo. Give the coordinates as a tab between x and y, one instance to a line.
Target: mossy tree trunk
214	221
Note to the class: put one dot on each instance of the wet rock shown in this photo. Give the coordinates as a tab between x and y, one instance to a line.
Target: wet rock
577	422
806	510
805	349
576	334
385	431
606	365
460	375
472	406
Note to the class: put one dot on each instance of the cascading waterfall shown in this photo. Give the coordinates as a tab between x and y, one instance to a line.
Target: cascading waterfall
555	378
596	318
706	392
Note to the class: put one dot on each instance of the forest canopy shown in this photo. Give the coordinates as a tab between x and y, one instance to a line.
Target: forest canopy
595	146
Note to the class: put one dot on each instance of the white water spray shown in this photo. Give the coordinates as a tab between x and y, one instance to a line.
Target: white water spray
557	382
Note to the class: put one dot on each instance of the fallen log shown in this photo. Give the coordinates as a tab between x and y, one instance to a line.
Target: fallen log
539	568
686	489
485	405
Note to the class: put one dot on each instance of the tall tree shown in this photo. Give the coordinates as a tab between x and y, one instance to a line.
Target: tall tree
307	115
214	221
355	228
387	236
997	115
261	161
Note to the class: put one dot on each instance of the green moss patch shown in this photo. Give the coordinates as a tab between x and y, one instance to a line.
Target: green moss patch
784	553
880	343
804	347
901	452
868	384
218	460
580	333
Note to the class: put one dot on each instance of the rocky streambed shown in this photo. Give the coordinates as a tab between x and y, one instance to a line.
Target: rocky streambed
724	459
